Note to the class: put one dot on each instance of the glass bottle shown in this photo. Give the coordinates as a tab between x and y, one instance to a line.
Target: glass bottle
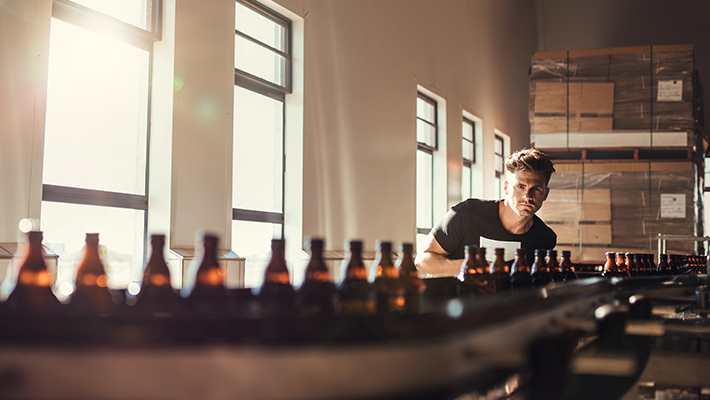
316	294
673	264
205	293
276	294
91	295
499	272
541	275
485	271
640	267
408	274
356	295
663	268
554	266
567	267
631	265
621	267
389	290
610	267
520	277
157	296
32	291
471	276
652	267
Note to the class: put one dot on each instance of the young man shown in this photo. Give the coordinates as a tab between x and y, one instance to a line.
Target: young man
510	223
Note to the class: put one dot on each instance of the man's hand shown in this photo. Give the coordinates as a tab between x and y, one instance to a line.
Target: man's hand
433	261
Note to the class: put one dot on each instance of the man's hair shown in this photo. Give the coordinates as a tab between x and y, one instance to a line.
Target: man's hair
531	160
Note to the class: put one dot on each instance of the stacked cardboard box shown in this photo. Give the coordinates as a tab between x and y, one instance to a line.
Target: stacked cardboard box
587	94
596	207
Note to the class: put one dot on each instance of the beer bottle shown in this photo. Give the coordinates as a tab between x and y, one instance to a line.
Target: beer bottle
520	277
91	295
276	294
554	266
485	272
408	274
499	272
673	264
157	296
541	275
356	295
471	276
389	290
32	291
621	267
205	293
316	294
640	268
652	267
610	267
631	265
567	267
663	268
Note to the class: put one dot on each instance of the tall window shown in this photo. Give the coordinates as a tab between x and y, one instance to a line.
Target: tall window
427	137
262	78
468	150
96	134
499	163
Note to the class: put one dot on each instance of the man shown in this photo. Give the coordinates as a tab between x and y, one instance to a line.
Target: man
509	223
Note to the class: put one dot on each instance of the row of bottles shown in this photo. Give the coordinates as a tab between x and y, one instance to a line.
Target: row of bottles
639	264
478	276
384	287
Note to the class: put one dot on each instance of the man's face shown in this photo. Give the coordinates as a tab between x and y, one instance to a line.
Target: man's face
525	192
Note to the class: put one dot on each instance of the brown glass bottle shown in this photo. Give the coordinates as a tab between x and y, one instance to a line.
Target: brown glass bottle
622	268
32	292
356	295
472	282
568	270
388	288
205	293
673	265
91	295
316	295
485	271
541	275
520	277
640	268
157	296
554	266
663	268
500	273
610	267
631	265
652	267
276	294
408	274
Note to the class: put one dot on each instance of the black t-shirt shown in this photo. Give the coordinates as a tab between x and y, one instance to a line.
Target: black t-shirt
477	222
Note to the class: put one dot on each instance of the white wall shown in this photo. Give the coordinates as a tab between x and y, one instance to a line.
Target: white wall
364	60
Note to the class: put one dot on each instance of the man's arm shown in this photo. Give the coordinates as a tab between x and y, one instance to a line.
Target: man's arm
433	260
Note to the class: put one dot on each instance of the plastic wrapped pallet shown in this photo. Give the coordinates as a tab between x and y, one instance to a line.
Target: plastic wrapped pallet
640	89
621	206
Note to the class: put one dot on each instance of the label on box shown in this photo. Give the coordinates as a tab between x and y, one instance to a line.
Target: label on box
670	90
673	205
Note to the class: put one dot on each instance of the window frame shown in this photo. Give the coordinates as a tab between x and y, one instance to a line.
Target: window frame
263	87
426	148
94	21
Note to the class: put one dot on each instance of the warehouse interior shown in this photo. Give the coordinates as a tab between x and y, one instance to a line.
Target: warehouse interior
347	129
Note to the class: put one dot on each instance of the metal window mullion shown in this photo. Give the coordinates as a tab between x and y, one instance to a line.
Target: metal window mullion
240	214
266	13
72	195
94	21
262	44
